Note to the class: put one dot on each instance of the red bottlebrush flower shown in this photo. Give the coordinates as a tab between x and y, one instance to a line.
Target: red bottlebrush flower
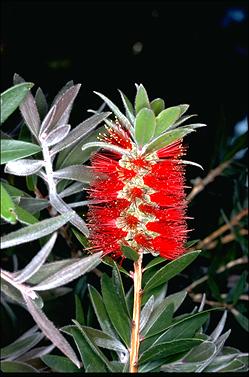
142	195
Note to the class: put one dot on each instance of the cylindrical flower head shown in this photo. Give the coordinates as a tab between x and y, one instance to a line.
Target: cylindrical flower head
140	193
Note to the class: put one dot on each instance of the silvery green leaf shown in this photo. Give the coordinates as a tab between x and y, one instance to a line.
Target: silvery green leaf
81	131
50	331
17	367
194	125
72	189
41	103
141	99
70	273
124	121
181	120
33	205
35	231
146	312
47	121
12	97
79	173
232	366
184	108
219	343
64	106
128	107
15	149
55	136
37	261
64	208
84	203
202	303
36	353
201	353
185	162
103	145
12	293
20	346
221	361
219	328
23	167
63	90
29	110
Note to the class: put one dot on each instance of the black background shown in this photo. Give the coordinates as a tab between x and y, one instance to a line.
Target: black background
191	52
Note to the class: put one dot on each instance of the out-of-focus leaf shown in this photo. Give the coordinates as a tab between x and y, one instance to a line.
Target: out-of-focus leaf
17	367
172	347
7	207
28	109
166	118
79	314
118	317
157	105
15	149
167	138
171	269
70	273
57	135
23	167
145	125
124	121
240	143
238	289
24	216
100	311
129	253
51	331
241	319
20	346
76	172
59	364
36	353
79	132
146	312
35	264
34	231
41	103
12	98
141	99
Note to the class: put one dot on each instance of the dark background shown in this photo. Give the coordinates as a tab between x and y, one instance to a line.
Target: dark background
184	52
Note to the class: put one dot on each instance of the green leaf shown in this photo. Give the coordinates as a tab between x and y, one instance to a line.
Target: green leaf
145	125
35	231
79	313
154	262
17	367
14	191
166	118
12	98
141	99
15	149
167	138
129	253
110	262
241	319
168	348
91	355
157	105
31	182
41	103
7	207
238	289
100	311
119	288
171	269
25	217
129	111
60	364
118	317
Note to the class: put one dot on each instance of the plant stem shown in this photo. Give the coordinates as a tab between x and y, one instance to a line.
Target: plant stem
135	340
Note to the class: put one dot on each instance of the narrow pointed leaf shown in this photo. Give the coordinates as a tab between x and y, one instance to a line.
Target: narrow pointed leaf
118	317
57	135
20	346
203	352
59	364
166	118
62	91
12	98
141	99
51	332
145	125
76	172
29	110
36	353
103	145
146	312
119	288
157	105
35	264
70	273
128	107
17	367
72	189
23	167
241	319
47	121
160	319
167	138
16	149
129	253
219	328
117	112
41	103
79	314
25	217
33	205
171	269
7	207
35	231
